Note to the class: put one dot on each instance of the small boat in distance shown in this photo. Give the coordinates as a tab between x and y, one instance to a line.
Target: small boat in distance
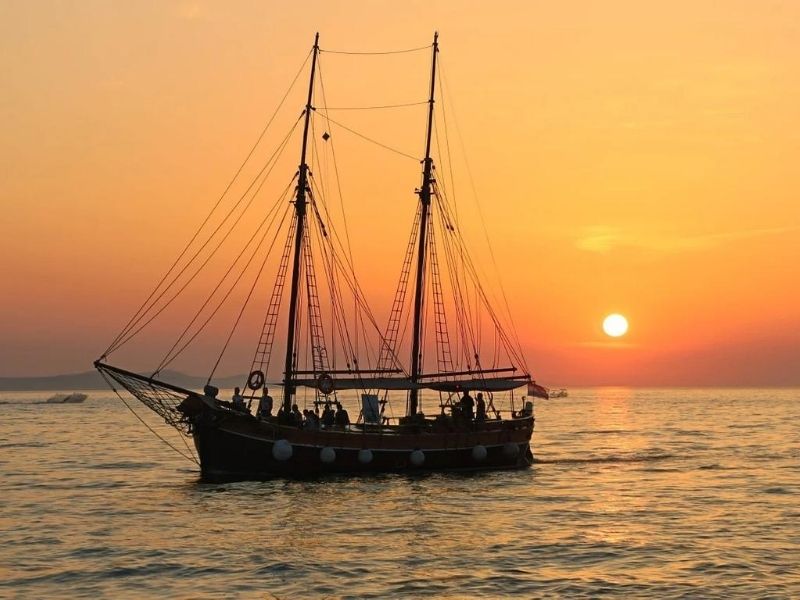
73	398
558	393
333	350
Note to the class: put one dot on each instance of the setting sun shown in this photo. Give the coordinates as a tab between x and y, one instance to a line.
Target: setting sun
615	325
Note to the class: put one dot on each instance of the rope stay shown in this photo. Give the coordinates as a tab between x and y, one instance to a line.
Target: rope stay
249	295
390	348
174	354
339	258
516	339
131	323
459	249
367	138
134	328
342	268
349	245
375	53
444	361
161	400
316	331
377	107
271	214
263	353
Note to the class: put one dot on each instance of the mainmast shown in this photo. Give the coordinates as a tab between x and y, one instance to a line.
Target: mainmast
425	199
300	211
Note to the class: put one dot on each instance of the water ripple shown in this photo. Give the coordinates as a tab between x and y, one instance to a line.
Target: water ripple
650	493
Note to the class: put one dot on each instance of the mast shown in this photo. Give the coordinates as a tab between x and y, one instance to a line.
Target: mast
425	199
300	211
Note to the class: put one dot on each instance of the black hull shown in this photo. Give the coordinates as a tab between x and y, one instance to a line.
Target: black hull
242	448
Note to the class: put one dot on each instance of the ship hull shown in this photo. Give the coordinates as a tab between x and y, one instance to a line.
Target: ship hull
242	447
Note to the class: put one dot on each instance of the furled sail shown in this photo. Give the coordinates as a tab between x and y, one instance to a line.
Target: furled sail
473	383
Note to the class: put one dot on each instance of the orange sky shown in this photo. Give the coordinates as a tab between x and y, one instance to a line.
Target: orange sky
628	158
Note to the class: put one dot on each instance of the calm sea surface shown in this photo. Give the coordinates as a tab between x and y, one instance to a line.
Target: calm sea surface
635	493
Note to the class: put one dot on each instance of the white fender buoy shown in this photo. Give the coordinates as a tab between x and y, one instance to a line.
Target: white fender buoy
327	455
479	453
365	456
510	450
417	458
282	450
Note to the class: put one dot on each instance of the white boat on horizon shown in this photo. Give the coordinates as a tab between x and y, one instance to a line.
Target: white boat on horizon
73	398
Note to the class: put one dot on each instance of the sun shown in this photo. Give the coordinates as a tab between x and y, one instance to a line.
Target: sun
615	325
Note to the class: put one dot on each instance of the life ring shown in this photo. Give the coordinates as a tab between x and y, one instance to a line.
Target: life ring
325	384
256	380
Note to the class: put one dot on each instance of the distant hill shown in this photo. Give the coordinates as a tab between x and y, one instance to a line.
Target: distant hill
91	380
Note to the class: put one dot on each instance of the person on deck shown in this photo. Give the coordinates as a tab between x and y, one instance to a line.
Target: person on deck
342	419
467	406
264	405
328	416
480	408
238	400
282	418
312	421
297	418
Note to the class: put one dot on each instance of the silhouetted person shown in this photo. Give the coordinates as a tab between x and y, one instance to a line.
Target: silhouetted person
467	405
285	418
342	418
297	418
238	400
328	416
480	408
265	405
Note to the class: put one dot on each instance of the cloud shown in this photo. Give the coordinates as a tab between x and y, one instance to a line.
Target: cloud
604	239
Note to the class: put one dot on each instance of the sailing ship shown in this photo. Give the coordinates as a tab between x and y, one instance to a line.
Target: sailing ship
233	443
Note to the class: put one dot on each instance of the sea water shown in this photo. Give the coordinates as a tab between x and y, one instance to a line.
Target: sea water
673	493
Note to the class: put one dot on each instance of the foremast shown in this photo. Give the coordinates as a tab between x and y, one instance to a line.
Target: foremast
425	200
300	212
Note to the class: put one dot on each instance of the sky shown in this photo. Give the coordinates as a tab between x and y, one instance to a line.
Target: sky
625	157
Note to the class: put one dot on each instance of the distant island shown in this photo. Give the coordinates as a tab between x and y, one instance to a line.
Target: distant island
91	380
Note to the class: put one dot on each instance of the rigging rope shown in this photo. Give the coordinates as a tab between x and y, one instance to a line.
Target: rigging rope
170	356
480	293
376	107
462	308
136	315
516	339
143	422
369	139
377	53
349	246
263	353
331	268
247	299
131	334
